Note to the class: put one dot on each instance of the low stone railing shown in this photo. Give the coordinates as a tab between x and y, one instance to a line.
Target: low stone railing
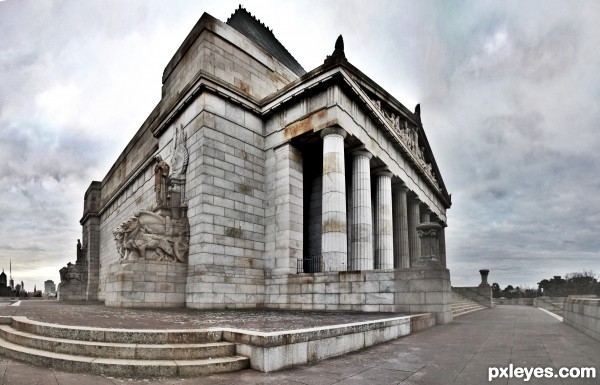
514	301
481	295
583	314
554	304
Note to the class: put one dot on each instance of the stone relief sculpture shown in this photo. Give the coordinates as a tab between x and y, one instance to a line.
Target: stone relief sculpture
161	172
409	136
179	163
148	235
163	233
180	154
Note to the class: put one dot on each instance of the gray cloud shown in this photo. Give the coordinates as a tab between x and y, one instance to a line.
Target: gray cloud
508	89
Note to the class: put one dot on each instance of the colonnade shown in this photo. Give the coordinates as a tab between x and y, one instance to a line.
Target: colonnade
384	230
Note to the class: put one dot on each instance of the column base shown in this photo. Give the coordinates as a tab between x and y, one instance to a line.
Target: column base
427	262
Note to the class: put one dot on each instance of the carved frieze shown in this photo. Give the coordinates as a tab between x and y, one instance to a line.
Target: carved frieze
409	136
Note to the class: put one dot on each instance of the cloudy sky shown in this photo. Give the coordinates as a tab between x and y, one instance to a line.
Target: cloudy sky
510	96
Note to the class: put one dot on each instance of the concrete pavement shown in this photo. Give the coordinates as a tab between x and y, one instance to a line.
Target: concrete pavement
457	353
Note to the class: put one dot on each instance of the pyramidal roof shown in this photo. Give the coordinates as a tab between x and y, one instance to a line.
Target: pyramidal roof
252	28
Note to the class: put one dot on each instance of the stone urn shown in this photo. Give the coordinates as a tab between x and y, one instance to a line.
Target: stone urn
484	278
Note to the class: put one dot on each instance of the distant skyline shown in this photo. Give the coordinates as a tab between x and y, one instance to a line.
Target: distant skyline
509	95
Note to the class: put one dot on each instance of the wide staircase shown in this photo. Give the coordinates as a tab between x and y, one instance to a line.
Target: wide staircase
462	305
118	352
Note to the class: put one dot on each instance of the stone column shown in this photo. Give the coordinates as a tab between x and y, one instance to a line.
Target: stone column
384	241
334	244
399	212
362	225
91	239
286	179
413	220
425	214
443	244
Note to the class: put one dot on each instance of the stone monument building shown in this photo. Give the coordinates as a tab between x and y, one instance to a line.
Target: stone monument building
254	183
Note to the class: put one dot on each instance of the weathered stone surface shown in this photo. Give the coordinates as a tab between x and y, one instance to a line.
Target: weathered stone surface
238	191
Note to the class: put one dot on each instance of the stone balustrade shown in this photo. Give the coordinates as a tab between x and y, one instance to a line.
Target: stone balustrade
583	314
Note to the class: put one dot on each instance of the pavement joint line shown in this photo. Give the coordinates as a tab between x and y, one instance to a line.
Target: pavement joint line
552	314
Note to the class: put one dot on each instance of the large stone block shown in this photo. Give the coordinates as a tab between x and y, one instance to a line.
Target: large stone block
146	283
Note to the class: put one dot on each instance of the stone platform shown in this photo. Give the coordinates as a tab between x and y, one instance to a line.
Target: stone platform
185	342
457	353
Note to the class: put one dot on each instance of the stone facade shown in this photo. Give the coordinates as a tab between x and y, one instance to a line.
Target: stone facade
300	190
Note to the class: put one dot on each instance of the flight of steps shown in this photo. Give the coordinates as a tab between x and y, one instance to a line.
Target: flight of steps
557	307
462	305
118	352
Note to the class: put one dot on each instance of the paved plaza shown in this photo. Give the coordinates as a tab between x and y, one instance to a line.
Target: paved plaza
457	353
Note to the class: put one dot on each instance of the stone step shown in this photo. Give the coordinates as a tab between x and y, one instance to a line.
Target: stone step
122	367
461	303
467	311
117	350
127	336
464	306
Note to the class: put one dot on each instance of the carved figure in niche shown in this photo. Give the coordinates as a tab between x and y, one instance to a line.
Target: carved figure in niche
161	173
167	239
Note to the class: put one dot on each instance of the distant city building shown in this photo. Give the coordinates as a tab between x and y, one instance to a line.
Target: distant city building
5	290
49	286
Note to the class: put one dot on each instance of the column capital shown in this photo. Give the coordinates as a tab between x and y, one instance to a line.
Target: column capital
361	152
333	130
382	171
399	185
413	198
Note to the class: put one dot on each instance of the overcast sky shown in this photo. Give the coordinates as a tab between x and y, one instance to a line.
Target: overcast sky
509	90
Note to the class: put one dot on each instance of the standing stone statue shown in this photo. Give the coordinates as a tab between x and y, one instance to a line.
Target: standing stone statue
161	173
79	252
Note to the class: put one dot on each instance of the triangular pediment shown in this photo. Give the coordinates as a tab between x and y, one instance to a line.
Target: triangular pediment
400	125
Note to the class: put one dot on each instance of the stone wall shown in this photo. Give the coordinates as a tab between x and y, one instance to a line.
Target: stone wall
553	304
394	290
481	295
584	315
277	350
146	283
514	301
226	182
137	195
72	291
215	49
